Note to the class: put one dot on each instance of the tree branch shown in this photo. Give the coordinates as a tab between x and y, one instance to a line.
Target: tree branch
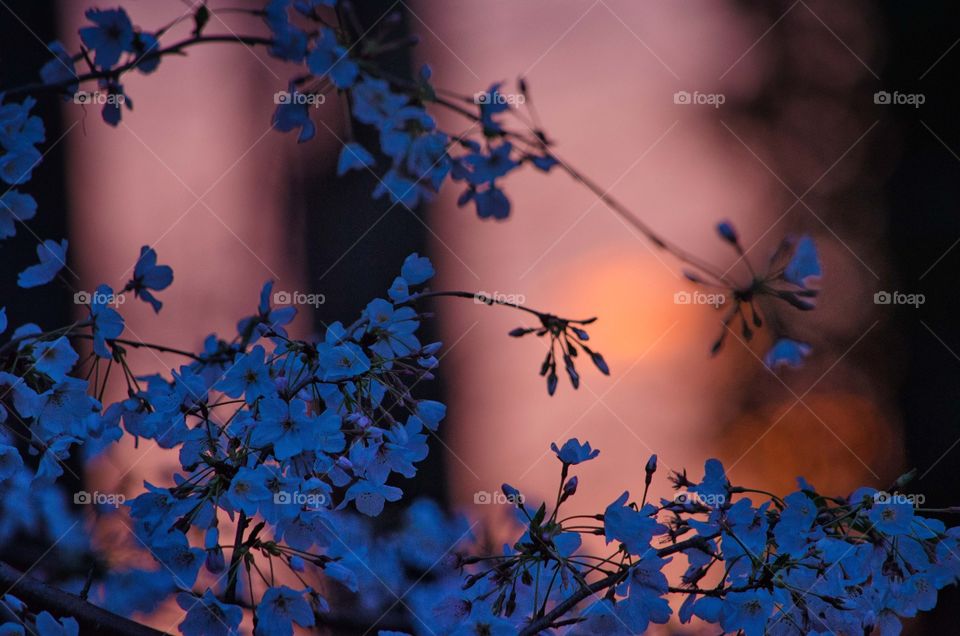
564	606
92	619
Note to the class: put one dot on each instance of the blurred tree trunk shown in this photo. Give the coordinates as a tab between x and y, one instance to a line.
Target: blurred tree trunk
356	245
924	196
22	53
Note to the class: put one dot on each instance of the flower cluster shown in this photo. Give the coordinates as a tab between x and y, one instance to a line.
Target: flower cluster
267	428
20	133
806	564
44	623
283	432
46	397
413	158
566	336
790	276
290	446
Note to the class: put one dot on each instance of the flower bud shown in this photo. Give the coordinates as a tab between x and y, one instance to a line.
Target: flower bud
727	232
569	489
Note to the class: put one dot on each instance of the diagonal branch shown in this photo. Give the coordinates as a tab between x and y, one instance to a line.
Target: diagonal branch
92	619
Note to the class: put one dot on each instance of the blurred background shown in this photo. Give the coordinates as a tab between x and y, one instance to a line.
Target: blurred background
783	117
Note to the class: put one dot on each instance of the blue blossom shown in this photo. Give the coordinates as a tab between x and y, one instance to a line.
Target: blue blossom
796	520
343	575
395	327
353	156
491	103
291	431
401	127
112	110
487	168
400	188
16	167
19	130
431	413
10	462
302	529
61	408
289	42
55	358
543	163
184	562
369	497
155	511
715	486
52	257
492	203
403	446
279	608
248	489
573	452
600	619
786	352
60	69
645	602
399	291
417	269
25	400
341	362
112	35
267	317
747	611
633	528
374	102
805	263
892	518
107	322
427	158
294	114
51	461
207	616
749	527
330	57
15	206
147	275
146	45
47	625
249	376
